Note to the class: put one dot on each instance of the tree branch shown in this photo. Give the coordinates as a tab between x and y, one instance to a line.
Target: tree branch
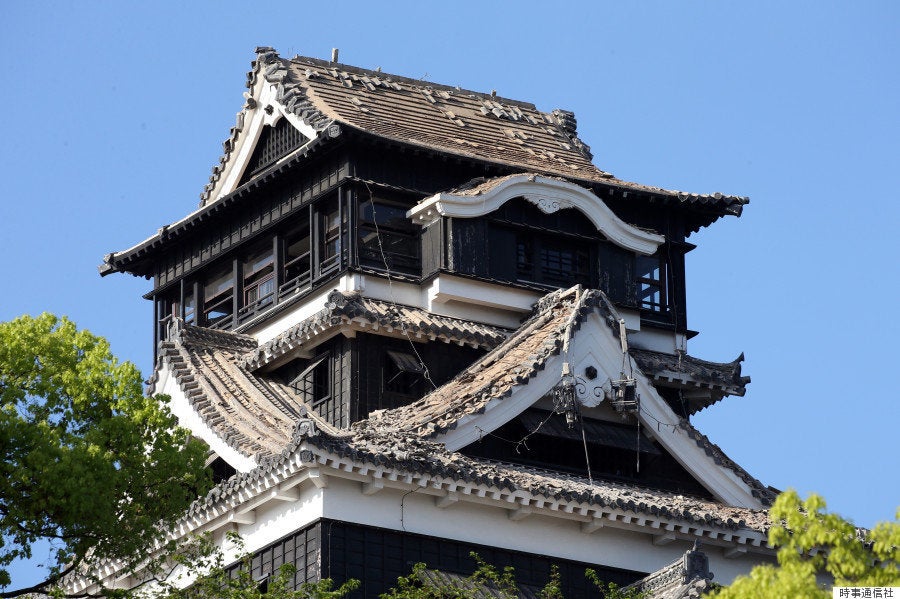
40	587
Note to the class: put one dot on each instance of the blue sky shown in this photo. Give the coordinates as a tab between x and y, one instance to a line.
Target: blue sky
116	111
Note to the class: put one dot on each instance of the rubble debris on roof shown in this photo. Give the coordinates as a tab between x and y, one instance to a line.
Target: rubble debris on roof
409	454
511	363
253	415
514	362
439	117
352	308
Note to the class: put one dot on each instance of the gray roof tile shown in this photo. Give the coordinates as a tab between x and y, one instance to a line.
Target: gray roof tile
681	370
251	414
439	117
687	577
345	308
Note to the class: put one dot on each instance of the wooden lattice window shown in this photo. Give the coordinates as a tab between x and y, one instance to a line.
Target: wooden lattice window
218	298
554	261
275	142
259	279
332	225
387	238
297	260
651	283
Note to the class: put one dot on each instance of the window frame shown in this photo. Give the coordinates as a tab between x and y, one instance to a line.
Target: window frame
644	280
223	298
392	232
536	254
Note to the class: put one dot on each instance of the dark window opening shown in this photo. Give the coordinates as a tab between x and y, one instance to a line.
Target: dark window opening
616	452
313	384
221	470
297	260
651	283
387	238
218	301
553	261
402	376
258	272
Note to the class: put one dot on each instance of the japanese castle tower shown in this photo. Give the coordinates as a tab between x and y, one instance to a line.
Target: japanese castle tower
413	321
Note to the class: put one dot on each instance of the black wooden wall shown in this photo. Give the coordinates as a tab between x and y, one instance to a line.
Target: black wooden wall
377	557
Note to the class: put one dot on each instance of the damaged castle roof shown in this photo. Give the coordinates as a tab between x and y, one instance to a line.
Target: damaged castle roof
514	362
407	456
219	372
253	415
331	97
264	418
686	372
371	314
439	117
688	577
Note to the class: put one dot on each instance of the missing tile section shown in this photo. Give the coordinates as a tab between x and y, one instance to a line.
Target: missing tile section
452	116
509	112
358	103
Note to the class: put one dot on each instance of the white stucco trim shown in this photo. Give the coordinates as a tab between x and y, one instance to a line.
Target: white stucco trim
315	484
548	194
251	122
595	345
167	384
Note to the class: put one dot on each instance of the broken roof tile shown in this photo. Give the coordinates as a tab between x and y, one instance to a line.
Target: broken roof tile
346	308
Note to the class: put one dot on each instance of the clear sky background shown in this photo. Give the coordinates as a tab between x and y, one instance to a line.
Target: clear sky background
115	113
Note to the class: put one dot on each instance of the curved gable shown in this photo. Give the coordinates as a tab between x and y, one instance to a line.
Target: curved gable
547	193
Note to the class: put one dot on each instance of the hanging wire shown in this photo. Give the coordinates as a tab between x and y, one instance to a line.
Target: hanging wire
682	350
659	423
483	433
403	329
523	440
637	446
587	458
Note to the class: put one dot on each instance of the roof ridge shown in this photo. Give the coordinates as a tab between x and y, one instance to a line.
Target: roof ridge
344	307
205	336
420	416
419	83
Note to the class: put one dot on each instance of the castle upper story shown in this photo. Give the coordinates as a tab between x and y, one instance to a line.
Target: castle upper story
461	203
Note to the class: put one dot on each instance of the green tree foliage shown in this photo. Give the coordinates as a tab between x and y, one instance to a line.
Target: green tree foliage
502	584
813	542
90	464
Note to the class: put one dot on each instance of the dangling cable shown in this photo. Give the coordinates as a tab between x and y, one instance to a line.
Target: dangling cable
396	308
637	450
587	458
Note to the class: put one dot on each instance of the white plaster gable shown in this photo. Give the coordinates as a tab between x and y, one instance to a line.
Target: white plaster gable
167	384
594	344
262	108
547	193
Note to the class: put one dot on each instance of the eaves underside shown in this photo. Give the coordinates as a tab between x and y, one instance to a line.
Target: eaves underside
135	260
